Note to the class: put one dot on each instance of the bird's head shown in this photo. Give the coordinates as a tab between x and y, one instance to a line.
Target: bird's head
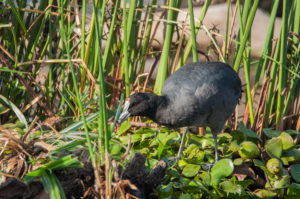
139	104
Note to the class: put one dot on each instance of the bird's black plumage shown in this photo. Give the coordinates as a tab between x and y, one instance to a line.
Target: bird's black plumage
198	94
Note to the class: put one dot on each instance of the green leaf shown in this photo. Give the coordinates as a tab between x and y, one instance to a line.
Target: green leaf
262	193
295	171
134	138
287	141
247	132
274	148
13	107
262	166
17	15
282	183
234	146
206	178
293	190
79	124
238	161
230	187
125	126
292	132
271	133
185	196
190	170
291	156
221	169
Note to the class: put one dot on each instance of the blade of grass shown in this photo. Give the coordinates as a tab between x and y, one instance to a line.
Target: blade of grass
188	46
163	64
283	61
192	24
245	36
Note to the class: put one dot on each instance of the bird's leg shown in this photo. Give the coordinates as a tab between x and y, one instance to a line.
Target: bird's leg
182	142
216	148
210	165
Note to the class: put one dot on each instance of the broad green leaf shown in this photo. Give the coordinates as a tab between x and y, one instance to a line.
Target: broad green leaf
182	163
234	146
295	171
247	132
287	141
230	187
291	156
292	132
125	126
262	193
282	183
274	148
248	150
238	161
293	190
221	169
185	196
190	170
134	138
206	178
271	133
261	165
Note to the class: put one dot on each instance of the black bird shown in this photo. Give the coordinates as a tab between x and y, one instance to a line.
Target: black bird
198	94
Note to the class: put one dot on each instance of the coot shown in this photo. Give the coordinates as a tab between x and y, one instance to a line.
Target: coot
198	94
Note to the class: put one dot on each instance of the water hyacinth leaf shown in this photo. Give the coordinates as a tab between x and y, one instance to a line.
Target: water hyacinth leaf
185	196
224	138
295	171
248	150
234	146
230	187
115	149
291	156
287	141
274	148
182	163
165	191
221	169
206	178
263	193
134	138
292	132
261	165
194	153
282	183
238	161
271	133
247	132
190	170
207	143
293	190
274	165
125	126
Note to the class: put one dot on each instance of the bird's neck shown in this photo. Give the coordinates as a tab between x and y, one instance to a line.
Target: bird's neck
157	104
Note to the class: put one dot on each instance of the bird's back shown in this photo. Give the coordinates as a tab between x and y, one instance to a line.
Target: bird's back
199	93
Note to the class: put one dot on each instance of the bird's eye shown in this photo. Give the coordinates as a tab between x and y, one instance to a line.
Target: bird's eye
133	104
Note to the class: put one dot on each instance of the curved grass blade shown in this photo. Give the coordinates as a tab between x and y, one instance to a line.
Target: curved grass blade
17	111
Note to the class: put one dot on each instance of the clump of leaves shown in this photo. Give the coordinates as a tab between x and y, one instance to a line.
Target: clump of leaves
248	166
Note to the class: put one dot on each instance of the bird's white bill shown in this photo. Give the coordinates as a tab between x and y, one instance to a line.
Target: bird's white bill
125	114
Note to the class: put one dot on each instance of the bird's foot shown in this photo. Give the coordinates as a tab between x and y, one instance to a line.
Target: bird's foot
208	166
173	160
